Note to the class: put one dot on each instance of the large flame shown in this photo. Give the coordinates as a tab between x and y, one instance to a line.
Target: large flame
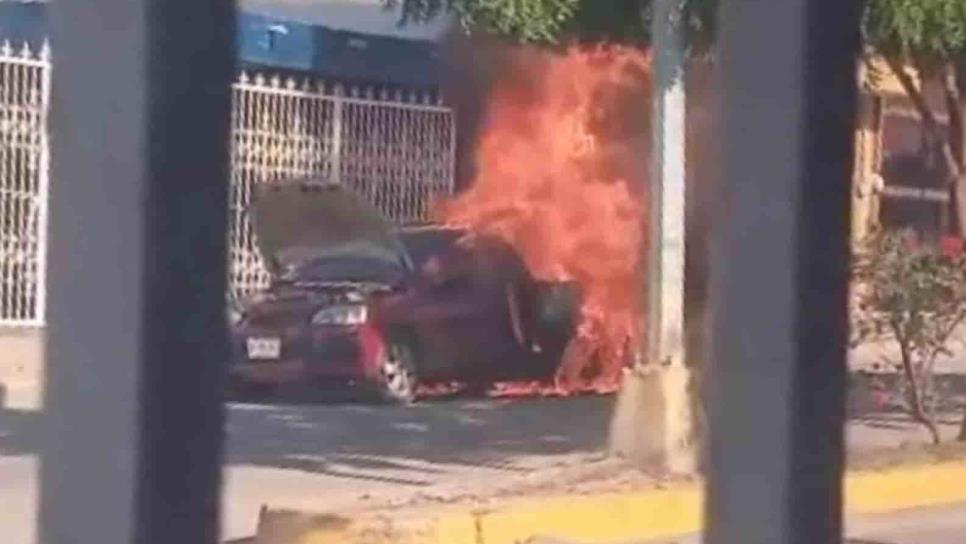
560	171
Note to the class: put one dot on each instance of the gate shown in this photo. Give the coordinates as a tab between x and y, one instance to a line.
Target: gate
395	149
24	157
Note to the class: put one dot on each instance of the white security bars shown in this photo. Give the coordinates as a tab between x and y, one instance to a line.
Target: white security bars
397	150
24	157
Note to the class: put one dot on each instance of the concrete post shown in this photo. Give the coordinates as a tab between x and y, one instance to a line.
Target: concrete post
137	331
786	83
665	290
336	149
652	423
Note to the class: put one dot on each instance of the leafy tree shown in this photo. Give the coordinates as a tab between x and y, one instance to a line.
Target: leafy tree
914	295
929	35
528	21
551	22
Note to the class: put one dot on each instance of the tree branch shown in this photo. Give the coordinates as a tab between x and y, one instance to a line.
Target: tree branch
916	409
954	105
930	124
914	93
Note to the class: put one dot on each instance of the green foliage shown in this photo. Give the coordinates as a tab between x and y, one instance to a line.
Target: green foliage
524	20
913	294
557	21
926	30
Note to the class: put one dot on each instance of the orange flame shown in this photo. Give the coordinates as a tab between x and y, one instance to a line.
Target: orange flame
561	164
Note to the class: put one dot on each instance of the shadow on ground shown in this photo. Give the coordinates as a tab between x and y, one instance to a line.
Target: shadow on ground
19	432
378	443
419	445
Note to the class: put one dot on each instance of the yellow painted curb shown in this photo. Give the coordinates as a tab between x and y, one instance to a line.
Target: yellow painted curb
671	511
618	517
592	518
600	518
905	487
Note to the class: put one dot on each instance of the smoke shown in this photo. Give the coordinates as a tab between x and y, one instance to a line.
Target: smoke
471	70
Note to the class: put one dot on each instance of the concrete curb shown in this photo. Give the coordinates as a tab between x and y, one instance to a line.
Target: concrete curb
873	492
629	517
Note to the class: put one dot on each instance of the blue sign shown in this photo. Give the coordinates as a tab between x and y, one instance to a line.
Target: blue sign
271	43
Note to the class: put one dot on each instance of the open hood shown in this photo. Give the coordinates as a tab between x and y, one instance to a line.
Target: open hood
300	221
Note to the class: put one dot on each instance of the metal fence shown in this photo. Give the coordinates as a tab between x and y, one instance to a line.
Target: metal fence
396	150
24	158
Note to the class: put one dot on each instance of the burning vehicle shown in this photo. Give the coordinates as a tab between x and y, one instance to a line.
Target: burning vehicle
354	300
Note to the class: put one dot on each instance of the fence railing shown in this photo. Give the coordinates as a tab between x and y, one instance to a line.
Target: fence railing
24	159
395	149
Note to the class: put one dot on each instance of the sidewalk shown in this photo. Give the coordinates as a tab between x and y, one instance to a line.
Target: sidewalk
645	515
931	525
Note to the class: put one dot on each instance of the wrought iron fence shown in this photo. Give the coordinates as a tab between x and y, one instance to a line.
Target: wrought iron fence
396	150
24	157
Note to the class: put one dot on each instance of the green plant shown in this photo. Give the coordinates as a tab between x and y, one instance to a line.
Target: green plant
549	22
929	36
913	294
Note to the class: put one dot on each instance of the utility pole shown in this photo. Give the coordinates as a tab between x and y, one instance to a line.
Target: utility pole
653	423
786	82
136	336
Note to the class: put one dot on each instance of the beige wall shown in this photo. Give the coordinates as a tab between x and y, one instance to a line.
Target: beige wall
21	368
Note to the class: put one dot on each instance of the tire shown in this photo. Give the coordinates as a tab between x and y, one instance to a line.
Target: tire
399	382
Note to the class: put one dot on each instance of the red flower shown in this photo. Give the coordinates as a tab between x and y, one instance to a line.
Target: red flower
952	246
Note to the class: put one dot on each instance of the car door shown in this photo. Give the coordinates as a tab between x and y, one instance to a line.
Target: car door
461	317
531	321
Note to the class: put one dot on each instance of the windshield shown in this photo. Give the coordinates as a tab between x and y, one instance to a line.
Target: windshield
421	244
343	269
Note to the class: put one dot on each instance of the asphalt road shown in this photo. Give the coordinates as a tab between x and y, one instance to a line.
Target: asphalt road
356	455
342	456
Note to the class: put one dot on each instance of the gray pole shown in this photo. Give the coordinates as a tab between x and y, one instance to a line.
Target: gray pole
136	341
665	325
652	423
786	84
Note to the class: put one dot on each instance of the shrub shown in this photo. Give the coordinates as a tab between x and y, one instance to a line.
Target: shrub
914	294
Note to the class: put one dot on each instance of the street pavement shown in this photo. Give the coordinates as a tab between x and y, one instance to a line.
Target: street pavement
935	525
939	525
346	456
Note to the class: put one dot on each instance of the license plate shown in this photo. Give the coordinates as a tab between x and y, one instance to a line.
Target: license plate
264	348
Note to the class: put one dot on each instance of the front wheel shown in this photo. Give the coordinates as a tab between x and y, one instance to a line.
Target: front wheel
399	381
